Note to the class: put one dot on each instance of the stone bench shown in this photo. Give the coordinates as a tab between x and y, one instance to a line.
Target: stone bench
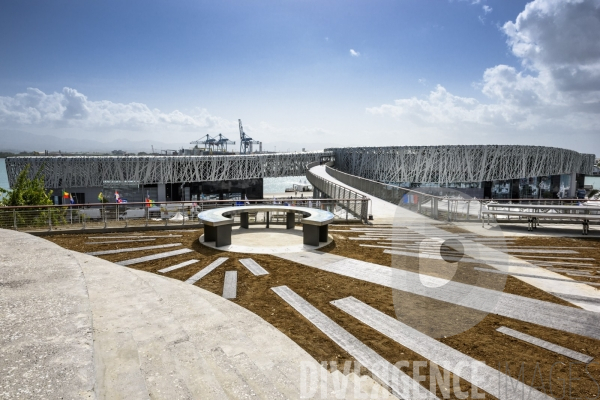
218	222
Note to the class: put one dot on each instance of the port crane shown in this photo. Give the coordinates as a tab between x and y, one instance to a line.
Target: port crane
218	143
208	142
222	142
246	141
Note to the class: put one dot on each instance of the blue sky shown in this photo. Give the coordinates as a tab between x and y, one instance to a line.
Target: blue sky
306	73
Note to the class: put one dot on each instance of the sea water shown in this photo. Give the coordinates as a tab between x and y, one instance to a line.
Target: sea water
278	185
3	175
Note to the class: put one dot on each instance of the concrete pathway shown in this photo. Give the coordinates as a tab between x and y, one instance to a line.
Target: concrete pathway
575	355
401	384
383	212
152	257
476	372
260	240
46	326
406	222
131	249
76	326
542	313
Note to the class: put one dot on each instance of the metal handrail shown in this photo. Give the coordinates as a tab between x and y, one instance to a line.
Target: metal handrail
427	204
353	202
333	172
135	214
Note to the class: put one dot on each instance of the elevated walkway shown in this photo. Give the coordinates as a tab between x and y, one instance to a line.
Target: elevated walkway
383	211
75	326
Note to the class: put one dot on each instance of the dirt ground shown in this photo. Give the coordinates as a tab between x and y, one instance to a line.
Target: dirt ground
481	342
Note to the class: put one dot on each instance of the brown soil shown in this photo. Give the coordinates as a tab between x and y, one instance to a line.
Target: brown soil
351	248
481	342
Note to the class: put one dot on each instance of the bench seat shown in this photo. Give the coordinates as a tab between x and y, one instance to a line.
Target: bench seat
218	222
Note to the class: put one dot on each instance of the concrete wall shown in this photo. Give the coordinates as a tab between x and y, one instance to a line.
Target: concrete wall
162	192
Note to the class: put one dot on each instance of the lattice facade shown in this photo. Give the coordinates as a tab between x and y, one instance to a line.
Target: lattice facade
449	164
82	171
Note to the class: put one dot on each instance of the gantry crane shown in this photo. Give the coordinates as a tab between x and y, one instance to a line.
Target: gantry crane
208	142
246	141
222	142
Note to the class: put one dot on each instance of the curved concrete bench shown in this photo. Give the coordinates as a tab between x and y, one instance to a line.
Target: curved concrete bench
218	222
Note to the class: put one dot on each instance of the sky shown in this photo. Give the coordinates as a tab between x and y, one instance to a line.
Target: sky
304	73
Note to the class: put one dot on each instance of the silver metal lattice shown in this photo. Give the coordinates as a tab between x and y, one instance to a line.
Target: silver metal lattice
447	164
83	171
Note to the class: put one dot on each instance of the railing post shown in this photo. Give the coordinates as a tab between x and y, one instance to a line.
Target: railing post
182	214
15	219
448	218
49	219
468	208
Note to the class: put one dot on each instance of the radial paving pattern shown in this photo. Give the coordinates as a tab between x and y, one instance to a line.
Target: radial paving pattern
239	373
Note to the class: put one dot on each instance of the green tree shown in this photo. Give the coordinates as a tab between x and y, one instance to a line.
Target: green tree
29	192
26	191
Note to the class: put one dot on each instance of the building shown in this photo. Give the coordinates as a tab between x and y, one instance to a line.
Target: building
486	171
161	177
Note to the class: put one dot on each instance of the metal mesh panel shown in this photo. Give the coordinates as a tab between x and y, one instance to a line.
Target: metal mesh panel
83	171
448	164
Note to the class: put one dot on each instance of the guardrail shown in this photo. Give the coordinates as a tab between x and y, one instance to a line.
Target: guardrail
439	203
131	215
350	200
544	202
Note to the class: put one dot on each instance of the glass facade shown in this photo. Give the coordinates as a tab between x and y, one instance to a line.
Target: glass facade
538	187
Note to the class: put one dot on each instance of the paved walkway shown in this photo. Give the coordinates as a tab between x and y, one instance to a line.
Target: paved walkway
384	212
257	239
76	326
568	319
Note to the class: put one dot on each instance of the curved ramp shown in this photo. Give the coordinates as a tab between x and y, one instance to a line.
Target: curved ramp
76	326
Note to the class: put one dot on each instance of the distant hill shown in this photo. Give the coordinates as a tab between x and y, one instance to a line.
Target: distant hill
17	141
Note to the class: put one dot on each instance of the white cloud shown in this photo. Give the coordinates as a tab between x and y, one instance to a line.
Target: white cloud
560	37
354	53
487	9
70	109
557	91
